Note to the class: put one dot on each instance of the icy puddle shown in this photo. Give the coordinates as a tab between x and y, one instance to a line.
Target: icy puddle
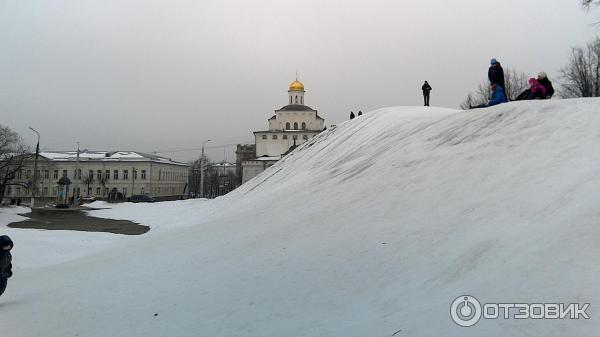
77	220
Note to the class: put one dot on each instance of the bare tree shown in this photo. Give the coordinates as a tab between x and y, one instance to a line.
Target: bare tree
13	154
581	76
88	179
588	3
103	180
515	82
194	176
478	97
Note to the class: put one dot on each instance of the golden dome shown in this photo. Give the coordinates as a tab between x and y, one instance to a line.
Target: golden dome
296	86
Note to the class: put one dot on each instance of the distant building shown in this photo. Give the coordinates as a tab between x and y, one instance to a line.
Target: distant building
224	168
243	153
291	126
104	175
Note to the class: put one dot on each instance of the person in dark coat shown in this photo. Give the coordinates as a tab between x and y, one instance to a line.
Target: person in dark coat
543	80
498	96
352	115
359	112
6	245
496	73
426	90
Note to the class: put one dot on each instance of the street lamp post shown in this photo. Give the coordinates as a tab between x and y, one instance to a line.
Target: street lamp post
34	183
202	170
76	177
133	176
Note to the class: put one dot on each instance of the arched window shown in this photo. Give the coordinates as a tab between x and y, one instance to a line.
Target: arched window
301	99
287	125
295	126
296	99
290	99
303	126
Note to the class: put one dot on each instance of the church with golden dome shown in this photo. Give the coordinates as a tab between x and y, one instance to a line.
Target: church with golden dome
290	126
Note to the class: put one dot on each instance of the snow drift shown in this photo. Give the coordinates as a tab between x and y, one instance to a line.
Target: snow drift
369	229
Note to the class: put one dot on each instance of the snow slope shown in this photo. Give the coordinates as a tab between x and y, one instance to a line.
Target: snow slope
370	228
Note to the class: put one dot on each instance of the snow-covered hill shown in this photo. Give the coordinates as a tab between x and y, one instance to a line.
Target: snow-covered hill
370	228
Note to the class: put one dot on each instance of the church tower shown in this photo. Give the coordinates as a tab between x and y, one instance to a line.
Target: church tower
291	126
296	93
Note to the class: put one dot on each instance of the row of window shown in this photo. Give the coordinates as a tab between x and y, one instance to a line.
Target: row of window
115	174
18	191
288	126
305	137
296	99
170	175
100	191
103	175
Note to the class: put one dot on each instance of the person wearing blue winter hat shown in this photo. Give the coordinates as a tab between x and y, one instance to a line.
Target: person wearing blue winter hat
496	73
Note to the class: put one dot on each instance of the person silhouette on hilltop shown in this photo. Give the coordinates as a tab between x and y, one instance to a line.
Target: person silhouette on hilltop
352	115
426	90
496	73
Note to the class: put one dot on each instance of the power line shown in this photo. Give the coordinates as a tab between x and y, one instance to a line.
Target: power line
199	148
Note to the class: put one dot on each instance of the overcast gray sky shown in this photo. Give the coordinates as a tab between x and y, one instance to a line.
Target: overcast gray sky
165	75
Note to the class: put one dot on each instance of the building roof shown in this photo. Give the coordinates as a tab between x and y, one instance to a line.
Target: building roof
296	86
296	107
290	131
106	156
265	158
224	165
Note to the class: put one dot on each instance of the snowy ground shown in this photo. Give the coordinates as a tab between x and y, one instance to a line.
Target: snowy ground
371	228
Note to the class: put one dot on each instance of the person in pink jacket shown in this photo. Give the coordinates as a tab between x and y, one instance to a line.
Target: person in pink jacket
535	91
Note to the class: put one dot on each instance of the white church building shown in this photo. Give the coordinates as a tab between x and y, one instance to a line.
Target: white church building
291	126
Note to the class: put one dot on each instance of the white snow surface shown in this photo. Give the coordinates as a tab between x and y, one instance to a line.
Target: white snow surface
369	228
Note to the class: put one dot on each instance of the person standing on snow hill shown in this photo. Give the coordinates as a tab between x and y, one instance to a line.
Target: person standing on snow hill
6	245
498	96
496	73
426	89
352	115
543	80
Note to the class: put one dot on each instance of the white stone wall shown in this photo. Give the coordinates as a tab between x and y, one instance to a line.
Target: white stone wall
295	97
276	147
252	168
308	117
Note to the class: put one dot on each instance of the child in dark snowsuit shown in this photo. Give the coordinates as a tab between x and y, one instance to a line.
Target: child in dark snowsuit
543	80
6	245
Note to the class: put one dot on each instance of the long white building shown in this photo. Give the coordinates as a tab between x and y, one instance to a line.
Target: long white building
103	174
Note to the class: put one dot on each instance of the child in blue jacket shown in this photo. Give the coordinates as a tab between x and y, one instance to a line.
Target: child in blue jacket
497	96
